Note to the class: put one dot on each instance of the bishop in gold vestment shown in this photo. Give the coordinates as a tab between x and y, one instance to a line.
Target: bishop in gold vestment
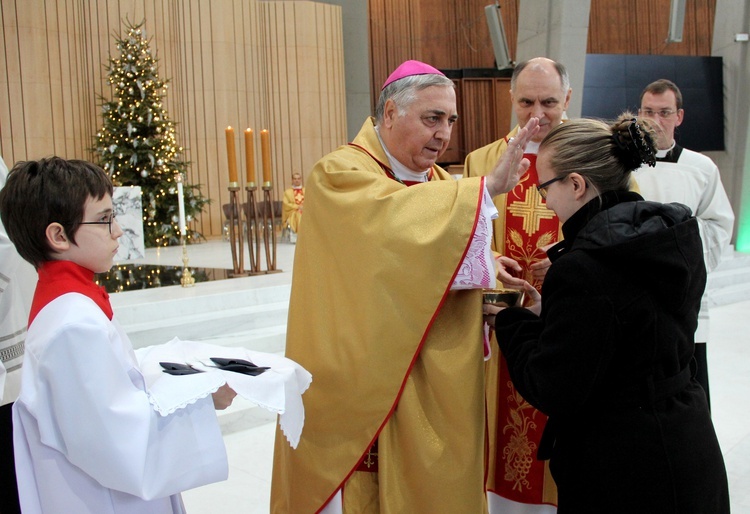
395	413
395	355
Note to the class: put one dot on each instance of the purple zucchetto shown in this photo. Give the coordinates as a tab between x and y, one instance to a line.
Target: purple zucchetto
410	68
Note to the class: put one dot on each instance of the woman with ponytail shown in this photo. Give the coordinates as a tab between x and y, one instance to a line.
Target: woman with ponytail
606	350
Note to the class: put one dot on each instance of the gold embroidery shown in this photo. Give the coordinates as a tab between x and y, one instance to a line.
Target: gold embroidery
370	461
527	253
518	453
532	210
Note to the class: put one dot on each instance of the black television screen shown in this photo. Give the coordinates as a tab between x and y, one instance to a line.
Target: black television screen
613	83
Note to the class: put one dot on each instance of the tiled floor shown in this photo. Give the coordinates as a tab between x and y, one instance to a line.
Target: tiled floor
251	449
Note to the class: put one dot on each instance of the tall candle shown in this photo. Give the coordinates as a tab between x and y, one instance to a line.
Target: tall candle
265	144
231	155
250	155
181	205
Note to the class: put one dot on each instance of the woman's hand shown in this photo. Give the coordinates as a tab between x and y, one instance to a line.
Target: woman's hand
512	165
490	310
535	297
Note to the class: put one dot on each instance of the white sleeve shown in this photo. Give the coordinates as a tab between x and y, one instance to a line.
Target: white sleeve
715	219
2	379
477	270
90	409
17	283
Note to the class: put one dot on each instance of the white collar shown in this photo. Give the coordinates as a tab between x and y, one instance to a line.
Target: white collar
532	147
402	172
660	154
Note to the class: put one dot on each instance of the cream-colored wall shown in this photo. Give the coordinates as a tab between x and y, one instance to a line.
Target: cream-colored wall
244	63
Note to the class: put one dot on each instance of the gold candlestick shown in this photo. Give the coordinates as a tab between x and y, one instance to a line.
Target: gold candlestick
187	279
253	229
235	236
269	229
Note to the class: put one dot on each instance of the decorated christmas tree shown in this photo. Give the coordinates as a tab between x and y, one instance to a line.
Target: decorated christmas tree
137	144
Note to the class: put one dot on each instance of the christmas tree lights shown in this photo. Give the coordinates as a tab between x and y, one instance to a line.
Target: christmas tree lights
137	144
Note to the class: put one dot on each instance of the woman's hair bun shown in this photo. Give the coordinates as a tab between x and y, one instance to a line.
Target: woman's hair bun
634	143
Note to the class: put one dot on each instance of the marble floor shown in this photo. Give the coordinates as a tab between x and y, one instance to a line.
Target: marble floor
250	447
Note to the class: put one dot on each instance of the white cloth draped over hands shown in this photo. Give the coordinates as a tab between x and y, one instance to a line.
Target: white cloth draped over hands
278	389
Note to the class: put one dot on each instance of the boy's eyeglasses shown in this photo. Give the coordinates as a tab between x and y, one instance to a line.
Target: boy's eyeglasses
109	222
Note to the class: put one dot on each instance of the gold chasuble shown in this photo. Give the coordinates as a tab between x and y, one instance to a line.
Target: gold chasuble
291	207
514	427
396	356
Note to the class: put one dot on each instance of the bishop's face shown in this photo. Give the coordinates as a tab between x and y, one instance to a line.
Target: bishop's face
418	134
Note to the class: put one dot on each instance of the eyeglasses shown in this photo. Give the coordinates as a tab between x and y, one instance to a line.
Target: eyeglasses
662	113
542	188
110	220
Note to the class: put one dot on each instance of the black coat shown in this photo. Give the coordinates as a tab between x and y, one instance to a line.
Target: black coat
609	362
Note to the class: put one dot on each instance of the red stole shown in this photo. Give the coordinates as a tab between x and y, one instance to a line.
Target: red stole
299	195
529	225
57	278
519	476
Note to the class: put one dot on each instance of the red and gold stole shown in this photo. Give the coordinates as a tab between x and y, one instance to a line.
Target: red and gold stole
299	196
519	476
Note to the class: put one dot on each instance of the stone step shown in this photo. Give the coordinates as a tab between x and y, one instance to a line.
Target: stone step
243	315
730	281
258	327
721	278
733	260
270	339
729	294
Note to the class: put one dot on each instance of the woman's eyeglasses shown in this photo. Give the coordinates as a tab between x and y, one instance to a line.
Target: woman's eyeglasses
542	188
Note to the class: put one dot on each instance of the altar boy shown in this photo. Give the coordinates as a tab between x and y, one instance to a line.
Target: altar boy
86	436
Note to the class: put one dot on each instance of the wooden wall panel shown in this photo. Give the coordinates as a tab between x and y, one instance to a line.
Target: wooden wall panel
437	31
305	81
477	118
449	34
453	153
243	63
453	34
53	40
503	109
13	135
71	24
485	113
642	27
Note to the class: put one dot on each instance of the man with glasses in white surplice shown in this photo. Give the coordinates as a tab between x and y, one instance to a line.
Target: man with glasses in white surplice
689	178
